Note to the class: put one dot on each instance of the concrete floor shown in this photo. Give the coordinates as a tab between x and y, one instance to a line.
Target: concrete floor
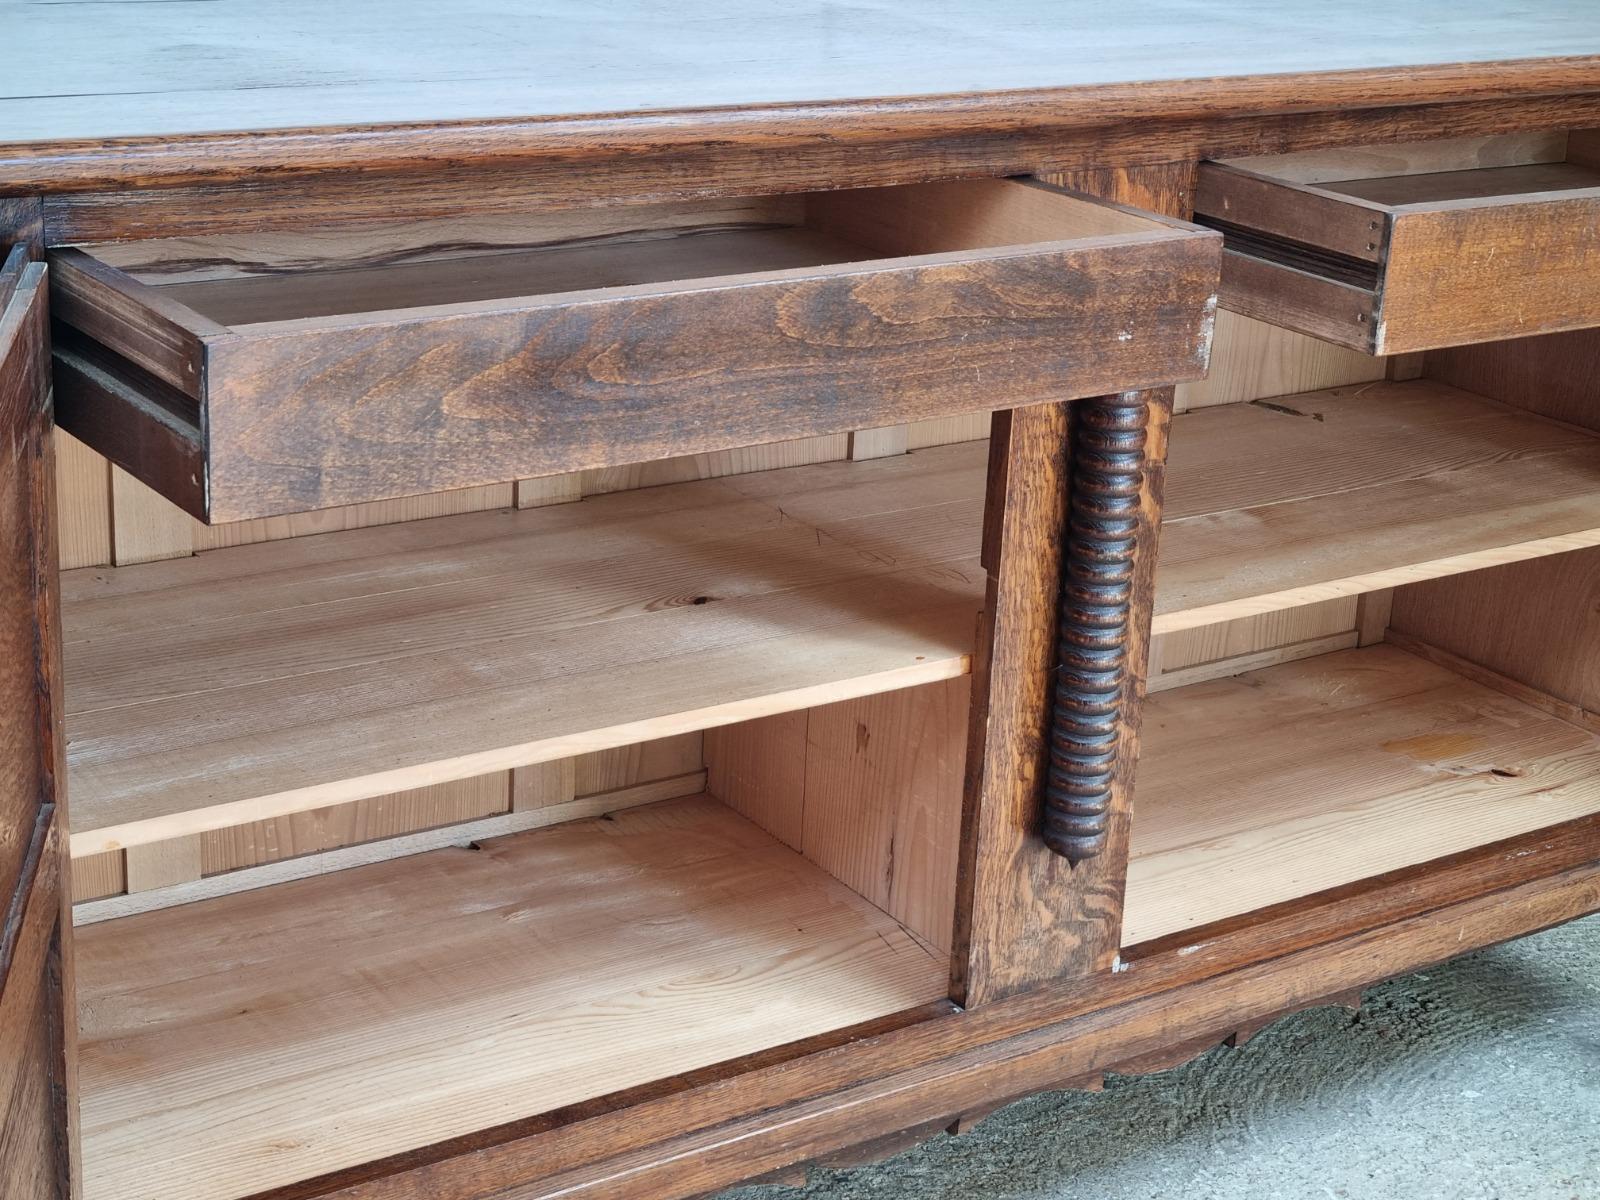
1478	1080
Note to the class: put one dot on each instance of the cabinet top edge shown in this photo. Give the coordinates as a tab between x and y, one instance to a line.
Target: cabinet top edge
177	98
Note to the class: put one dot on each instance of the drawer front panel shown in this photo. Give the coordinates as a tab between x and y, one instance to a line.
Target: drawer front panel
1489	271
314	417
1393	278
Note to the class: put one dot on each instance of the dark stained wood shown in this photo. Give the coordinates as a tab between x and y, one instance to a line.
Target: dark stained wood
140	323
1011	927
139	423
1089	704
1283	294
37	1027
339	410
1459	260
1284	209
866	127
21	221
714	1136
747	164
1024	915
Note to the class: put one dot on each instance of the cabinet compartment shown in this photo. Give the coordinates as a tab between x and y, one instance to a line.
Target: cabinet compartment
1393	250
262	680
1299	778
240	379
239	1044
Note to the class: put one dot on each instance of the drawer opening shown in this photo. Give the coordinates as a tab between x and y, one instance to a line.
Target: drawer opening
332	367
1396	249
538	966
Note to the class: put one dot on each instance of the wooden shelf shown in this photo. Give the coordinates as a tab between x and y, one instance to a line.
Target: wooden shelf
238	1044
256	681
1305	776
1275	504
275	678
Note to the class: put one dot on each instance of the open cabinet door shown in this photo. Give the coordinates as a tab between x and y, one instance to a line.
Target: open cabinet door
37	1026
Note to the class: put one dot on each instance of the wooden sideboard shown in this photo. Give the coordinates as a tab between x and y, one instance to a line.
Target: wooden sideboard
602	606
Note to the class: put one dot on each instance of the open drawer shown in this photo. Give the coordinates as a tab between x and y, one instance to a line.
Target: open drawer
1395	249
242	377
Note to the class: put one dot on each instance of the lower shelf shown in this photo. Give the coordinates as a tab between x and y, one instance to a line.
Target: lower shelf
240	1044
1302	777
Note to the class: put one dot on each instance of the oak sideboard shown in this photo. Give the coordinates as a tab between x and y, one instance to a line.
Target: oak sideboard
605	601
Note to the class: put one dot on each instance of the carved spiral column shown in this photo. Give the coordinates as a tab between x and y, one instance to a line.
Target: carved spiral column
1108	447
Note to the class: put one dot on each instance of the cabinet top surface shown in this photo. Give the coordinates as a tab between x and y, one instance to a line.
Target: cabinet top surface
114	69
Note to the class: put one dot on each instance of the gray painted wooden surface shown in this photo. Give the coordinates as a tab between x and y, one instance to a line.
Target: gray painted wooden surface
109	68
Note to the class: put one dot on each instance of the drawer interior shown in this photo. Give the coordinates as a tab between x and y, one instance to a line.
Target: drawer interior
268	373
248	280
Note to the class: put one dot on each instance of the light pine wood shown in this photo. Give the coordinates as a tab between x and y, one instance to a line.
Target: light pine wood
454	648
882	800
865	568
1252	360
146	527
290	836
243	1043
758	768
1249	643
879	443
98	876
550	489
544	784
869	790
83	504
163	864
1308	775
1538	623
1304	498
421	840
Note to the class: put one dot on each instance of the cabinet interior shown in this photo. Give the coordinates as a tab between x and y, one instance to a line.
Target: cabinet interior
703	743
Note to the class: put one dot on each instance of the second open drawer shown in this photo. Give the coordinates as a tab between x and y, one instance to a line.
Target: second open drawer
246	376
1394	249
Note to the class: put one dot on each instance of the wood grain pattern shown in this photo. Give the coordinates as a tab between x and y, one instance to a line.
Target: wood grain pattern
1460	256
696	1141
661	940
1305	498
83	504
1552	375
1410	763
869	790
575	89
38	1120
1253	360
323	410
1536	622
424	836
331	669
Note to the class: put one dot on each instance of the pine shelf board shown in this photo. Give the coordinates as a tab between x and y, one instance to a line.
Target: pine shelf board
239	1044
262	680
1275	504
1287	781
275	678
